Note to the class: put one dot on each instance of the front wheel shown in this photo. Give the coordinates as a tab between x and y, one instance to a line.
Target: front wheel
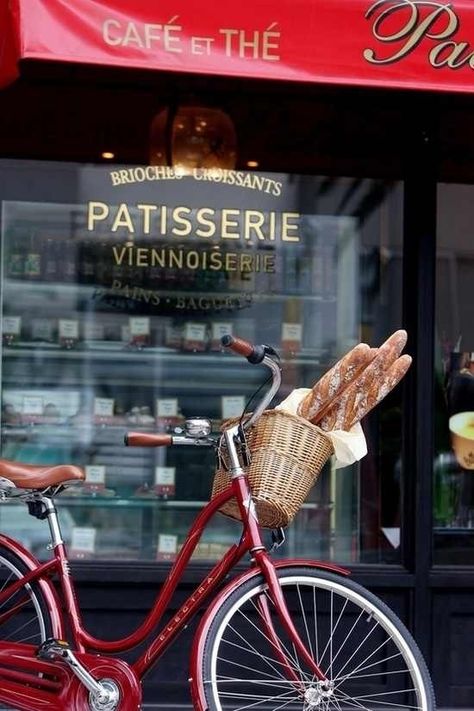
368	656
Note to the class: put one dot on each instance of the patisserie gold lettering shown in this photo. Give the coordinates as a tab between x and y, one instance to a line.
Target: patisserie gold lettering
409	25
182	221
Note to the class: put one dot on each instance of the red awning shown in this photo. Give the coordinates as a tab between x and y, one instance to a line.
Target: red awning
395	43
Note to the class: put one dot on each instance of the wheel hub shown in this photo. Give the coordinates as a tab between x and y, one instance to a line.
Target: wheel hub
317	694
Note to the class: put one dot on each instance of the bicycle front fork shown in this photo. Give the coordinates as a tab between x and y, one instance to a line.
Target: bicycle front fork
262	559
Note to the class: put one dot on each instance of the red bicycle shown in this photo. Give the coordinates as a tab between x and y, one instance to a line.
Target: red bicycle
293	634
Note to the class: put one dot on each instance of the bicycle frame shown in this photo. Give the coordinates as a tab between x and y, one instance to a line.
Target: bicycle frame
26	663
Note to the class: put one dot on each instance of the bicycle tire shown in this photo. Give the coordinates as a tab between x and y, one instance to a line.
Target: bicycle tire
350	629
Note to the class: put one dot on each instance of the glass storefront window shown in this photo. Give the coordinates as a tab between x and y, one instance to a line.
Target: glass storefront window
117	284
454	422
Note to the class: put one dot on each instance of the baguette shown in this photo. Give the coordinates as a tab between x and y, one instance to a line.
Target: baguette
392	377
332	384
361	394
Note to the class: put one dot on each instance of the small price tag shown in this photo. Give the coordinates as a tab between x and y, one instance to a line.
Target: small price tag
167	407
165	481
95	477
139	326
11	325
232	406
68	329
33	405
291	336
167	546
220	329
103	407
292	332
83	539
195	331
195	336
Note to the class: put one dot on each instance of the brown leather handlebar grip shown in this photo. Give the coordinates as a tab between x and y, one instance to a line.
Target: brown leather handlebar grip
238	345
147	439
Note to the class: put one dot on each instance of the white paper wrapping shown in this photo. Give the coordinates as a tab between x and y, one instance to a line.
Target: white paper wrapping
349	447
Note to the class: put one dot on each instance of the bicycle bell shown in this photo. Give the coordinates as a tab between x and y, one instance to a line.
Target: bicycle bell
197	427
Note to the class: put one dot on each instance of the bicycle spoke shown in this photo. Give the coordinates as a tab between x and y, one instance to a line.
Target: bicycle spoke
368	666
387	703
252	648
333	629
305	623
369	634
256	699
244	666
5	584
293	658
346	638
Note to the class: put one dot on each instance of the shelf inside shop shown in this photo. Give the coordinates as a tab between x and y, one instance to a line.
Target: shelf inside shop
30	290
107	351
141	501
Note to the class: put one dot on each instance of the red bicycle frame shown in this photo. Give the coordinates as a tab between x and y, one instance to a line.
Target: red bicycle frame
53	686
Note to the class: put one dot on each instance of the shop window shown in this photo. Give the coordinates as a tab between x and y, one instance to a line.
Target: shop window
454	421
117	285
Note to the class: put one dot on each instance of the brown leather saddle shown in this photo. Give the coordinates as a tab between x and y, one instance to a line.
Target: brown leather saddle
29	476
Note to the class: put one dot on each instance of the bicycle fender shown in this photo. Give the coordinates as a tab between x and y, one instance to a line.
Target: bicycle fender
196	682
47	588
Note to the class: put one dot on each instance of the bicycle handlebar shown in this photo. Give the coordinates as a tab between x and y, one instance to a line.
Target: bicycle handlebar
254	354
147	439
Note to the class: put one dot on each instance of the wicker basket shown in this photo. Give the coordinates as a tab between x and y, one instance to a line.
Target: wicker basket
288	453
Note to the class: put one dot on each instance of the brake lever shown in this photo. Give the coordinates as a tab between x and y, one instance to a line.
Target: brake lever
269	350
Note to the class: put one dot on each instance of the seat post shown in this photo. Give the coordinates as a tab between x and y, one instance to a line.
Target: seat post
53	520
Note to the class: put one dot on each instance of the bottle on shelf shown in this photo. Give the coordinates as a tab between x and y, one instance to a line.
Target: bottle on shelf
51	259
33	258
